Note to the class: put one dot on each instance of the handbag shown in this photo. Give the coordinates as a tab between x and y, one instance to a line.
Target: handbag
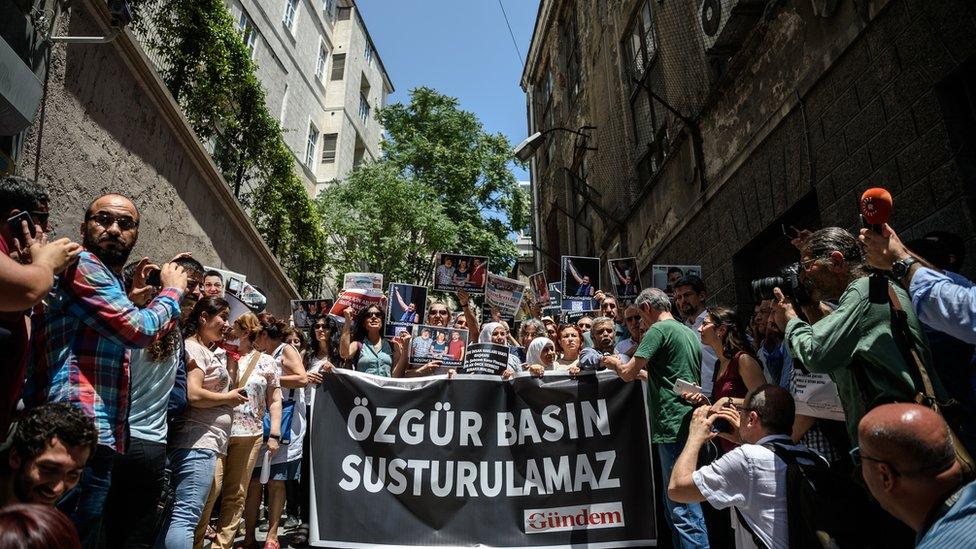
928	398
287	411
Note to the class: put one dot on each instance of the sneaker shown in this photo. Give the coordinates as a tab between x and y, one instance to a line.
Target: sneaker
291	522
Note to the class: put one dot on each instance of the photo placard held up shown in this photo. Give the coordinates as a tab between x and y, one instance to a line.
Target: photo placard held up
438	343
504	293
405	308
540	289
356	300
305	312
663	277
453	272
363	281
554	308
581	280
624	277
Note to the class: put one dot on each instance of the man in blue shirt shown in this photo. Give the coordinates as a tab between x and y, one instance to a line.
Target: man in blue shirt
909	465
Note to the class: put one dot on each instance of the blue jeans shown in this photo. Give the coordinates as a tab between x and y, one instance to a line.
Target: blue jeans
193	476
686	520
85	503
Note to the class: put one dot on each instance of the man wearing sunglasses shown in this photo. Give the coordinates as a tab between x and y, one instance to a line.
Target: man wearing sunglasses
625	348
82	341
909	465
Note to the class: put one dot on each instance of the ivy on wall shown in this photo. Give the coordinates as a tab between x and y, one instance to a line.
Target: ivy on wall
209	71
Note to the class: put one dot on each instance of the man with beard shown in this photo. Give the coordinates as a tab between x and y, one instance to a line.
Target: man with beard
690	295
856	344
47	453
81	345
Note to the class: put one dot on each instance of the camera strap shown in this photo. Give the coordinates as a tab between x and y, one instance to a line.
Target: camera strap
927	398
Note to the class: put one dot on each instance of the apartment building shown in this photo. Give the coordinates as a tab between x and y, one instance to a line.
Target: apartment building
324	81
699	129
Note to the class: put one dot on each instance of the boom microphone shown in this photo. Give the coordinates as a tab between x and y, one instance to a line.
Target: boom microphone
875	208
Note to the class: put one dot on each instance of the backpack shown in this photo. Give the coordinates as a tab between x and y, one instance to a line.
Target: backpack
823	508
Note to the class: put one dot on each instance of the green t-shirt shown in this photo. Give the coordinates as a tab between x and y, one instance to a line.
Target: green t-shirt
672	352
855	343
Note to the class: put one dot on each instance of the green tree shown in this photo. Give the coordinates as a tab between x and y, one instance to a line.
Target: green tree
432	142
383	222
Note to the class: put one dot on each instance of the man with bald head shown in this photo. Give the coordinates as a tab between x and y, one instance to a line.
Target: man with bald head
82	339
909	465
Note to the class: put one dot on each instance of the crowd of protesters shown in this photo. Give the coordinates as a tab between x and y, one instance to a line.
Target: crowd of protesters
150	416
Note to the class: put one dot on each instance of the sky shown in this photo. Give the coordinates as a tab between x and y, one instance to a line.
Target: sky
460	48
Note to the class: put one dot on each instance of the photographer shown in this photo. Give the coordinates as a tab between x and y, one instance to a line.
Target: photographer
856	344
750	477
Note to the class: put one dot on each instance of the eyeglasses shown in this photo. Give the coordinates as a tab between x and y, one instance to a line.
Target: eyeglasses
324	326
374	314
857	456
107	220
633	318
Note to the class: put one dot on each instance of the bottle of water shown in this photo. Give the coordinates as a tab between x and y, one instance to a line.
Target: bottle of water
266	467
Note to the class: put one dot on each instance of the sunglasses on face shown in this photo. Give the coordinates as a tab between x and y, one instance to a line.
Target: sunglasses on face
106	220
321	327
374	314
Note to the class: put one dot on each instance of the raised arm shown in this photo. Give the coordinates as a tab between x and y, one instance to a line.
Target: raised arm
572	271
399	298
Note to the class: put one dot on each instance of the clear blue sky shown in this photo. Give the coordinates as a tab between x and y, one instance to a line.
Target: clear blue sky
460	48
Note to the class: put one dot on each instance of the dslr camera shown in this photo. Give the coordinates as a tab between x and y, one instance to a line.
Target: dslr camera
788	280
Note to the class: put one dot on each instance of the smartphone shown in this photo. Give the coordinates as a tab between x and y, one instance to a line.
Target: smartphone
153	279
15	223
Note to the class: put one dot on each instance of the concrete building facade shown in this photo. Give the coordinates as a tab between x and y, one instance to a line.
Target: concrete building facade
323	78
717	122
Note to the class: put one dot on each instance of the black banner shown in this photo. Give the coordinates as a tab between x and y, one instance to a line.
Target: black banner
479	461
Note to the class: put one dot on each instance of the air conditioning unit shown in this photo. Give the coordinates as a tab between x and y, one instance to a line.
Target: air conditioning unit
724	24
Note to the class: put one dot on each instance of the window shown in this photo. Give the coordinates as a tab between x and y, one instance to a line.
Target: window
321	61
641	43
313	142
328	8
574	56
345	14
249	34
329	143
368	54
363	107
338	66
544	112
284	105
291	11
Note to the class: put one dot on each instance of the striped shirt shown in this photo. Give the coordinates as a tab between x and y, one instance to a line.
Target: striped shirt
80	351
954	524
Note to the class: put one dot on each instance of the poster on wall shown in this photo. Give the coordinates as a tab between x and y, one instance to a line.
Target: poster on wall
663	277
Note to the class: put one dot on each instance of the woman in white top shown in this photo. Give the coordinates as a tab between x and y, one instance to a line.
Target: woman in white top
286	463
540	355
257	373
570	339
197	442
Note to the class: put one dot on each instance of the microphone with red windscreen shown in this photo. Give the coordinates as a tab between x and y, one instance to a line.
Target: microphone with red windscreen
875	208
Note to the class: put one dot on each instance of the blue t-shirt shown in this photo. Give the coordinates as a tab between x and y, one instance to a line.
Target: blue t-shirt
956	527
150	384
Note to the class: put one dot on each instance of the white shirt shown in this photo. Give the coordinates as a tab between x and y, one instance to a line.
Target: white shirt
753	479
708	356
625	348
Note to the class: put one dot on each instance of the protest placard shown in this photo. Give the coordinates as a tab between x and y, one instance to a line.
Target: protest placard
357	300
304	312
581	280
363	281
504	293
540	289
438	343
664	276
485	358
624	278
554	309
572	317
405	308
476	462
455	272
816	395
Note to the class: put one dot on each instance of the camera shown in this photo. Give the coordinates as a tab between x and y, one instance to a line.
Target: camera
788	280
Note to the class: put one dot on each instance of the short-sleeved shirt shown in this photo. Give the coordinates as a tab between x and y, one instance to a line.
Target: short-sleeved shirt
249	417
751	478
206	428
150	385
421	346
672	352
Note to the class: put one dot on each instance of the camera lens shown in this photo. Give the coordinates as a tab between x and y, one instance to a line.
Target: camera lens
762	288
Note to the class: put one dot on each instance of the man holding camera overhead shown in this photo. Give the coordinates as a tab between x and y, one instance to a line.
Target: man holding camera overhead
857	344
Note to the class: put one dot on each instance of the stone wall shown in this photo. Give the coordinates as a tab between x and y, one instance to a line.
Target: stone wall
109	125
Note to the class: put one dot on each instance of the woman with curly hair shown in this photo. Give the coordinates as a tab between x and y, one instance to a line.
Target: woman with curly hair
368	349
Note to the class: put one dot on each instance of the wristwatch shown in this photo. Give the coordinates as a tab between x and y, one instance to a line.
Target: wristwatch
900	268
276	437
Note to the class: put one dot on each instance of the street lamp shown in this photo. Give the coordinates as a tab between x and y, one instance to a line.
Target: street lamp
527	148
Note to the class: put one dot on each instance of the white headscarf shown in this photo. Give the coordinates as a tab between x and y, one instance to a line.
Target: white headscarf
487	330
533	354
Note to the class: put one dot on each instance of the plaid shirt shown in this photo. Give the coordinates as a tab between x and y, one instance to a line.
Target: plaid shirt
80	352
